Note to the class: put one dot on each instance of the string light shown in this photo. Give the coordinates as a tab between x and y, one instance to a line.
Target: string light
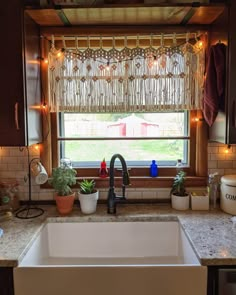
196	119
155	60
199	45
60	52
108	66
227	149
44	106
45	60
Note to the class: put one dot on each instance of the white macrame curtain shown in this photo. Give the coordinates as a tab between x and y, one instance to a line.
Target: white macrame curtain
154	78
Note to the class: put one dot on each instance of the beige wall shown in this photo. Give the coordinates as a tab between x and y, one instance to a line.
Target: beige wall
13	165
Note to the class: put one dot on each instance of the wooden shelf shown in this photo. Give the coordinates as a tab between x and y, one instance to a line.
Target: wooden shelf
140	14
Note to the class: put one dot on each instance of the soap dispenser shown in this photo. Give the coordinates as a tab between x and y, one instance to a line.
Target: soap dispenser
153	169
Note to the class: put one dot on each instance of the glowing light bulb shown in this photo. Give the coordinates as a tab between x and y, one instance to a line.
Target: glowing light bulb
196	119
46	61
58	54
36	147
108	66
200	44
44	106
155	60
227	149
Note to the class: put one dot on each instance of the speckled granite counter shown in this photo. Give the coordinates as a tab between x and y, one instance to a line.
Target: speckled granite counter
211	233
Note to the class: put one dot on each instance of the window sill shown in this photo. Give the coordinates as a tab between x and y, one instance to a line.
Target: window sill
142	182
157	182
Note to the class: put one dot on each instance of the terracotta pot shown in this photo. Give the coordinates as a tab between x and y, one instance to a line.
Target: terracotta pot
65	203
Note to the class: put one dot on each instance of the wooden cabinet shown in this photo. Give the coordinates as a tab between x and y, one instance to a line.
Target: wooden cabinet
19	77
6	281
221	280
224	128
231	105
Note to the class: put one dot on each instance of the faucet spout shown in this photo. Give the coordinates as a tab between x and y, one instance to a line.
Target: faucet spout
112	199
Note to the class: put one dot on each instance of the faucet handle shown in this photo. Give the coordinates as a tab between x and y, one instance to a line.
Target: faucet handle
126	178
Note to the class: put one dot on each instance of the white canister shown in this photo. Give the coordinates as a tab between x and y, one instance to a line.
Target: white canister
228	194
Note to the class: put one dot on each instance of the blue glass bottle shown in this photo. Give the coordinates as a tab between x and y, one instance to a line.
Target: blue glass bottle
153	169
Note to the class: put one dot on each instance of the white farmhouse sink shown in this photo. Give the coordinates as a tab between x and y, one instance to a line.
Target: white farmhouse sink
93	258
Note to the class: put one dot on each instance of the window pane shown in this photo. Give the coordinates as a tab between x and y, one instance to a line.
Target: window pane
125	125
138	151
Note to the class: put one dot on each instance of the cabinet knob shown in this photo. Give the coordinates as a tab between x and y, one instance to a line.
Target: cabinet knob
17	116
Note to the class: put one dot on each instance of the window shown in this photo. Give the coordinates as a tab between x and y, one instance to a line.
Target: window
140	137
193	147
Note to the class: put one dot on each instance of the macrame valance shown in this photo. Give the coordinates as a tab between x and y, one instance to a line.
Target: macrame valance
126	79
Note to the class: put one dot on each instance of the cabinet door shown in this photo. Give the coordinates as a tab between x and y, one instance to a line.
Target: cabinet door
224	128
231	106
6	281
12	97
32	80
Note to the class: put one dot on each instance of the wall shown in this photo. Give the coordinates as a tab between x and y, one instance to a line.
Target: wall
14	165
219	161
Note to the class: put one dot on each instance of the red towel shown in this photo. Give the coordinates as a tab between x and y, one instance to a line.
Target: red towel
214	88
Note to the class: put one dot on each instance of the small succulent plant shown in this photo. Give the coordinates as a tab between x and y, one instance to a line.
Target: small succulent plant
87	186
178	186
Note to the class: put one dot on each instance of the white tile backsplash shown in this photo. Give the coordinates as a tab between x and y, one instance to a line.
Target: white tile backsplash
220	161
14	165
212	164
149	194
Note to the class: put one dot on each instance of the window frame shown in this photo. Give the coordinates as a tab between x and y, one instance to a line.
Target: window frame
62	138
196	172
140	176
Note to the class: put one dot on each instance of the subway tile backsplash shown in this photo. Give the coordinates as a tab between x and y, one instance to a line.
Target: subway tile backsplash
220	161
14	165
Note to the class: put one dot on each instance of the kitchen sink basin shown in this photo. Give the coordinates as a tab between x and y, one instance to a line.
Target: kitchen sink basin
111	258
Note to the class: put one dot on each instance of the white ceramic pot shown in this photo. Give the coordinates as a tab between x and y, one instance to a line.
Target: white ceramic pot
180	203
228	194
88	202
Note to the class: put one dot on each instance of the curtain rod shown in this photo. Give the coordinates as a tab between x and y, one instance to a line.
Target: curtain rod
130	37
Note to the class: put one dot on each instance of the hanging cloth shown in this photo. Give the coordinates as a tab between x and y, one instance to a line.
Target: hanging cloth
139	79
214	88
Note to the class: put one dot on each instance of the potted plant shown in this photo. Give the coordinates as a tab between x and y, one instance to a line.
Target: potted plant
179	196
62	179
88	196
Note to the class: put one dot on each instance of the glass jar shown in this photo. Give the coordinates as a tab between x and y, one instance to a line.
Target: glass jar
8	195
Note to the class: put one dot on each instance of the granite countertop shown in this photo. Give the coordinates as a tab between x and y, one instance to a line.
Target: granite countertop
211	233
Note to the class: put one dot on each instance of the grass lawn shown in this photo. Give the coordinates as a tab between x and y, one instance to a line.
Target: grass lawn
142	150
